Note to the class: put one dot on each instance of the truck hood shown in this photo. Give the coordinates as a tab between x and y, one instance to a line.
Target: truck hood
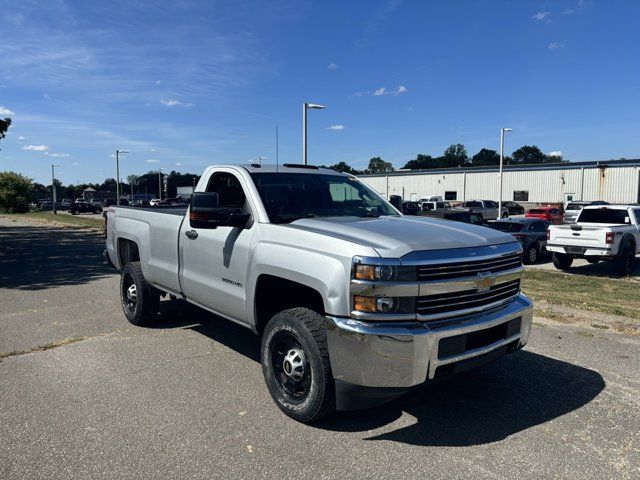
394	237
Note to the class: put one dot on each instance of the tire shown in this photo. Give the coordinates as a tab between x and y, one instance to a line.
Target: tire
624	263
73	212
562	261
592	259
304	389
531	254
140	301
481	217
505	215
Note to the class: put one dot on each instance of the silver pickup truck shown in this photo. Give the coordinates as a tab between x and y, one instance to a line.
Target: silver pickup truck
354	302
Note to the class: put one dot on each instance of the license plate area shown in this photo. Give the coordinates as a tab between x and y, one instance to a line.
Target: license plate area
575	250
460	344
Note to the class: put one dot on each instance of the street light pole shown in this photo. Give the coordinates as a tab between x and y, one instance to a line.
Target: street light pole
118	152
53	187
502	132
160	183
306	106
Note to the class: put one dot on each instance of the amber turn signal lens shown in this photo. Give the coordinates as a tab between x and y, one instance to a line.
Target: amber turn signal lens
365	272
364	304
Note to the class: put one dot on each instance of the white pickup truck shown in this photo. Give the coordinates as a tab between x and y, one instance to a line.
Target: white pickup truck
354	302
601	232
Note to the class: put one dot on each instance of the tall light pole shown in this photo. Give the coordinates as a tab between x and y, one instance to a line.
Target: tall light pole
502	132
118	152
306	107
53	187
160	183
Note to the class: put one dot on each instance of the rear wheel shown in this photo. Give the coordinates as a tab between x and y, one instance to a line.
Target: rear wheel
592	259
295	364
562	261
531	254
140	301
625	262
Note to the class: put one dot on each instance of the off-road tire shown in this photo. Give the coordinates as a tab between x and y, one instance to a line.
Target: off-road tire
147	304
562	261
308	328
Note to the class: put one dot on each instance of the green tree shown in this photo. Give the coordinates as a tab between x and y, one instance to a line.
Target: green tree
454	156
377	165
344	168
528	154
15	192
486	157
421	162
556	158
4	126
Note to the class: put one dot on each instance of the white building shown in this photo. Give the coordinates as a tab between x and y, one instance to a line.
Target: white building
614	181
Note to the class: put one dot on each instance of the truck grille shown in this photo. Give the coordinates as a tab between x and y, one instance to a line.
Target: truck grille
441	304
444	271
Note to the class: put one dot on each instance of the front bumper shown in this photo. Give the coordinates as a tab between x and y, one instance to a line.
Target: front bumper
405	354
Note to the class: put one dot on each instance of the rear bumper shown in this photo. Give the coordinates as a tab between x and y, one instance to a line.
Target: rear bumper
582	252
402	355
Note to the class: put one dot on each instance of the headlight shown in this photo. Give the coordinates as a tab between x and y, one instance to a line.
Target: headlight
384	273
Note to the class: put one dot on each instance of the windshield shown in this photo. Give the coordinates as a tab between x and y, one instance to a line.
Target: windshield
507	226
604	215
574	206
291	196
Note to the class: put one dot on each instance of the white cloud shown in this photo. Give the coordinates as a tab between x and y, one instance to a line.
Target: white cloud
336	127
332	66
158	82
152	161
35	148
6	111
541	15
75	164
21	137
555	153
60	155
46	96
178	164
172	102
378	92
555	45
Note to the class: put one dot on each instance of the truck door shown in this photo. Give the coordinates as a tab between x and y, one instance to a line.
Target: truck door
215	261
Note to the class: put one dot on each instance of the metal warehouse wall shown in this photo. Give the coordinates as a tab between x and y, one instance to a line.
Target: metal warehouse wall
612	184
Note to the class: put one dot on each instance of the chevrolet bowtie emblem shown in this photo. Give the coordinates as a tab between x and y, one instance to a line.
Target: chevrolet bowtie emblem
484	281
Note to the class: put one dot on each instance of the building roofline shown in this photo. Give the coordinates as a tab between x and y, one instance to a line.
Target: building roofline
532	166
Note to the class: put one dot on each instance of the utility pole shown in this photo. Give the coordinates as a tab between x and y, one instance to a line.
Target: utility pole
53	187
502	132
306	106
118	152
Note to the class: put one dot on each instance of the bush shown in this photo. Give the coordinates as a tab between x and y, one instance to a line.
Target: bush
15	192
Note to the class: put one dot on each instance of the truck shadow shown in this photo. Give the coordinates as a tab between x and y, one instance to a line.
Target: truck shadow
483	406
518	392
40	257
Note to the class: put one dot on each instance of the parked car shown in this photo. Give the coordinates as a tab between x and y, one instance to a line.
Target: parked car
343	290
434	206
572	210
530	232
454	214
47	206
602	232
513	208
410	208
550	214
85	207
486	209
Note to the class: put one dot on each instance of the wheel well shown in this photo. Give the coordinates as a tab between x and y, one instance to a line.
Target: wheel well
274	294
127	251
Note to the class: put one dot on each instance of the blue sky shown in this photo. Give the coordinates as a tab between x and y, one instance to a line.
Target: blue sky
186	84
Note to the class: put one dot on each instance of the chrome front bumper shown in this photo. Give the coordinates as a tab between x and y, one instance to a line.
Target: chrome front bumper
405	354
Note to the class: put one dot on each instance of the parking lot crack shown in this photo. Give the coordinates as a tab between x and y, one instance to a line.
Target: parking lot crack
41	348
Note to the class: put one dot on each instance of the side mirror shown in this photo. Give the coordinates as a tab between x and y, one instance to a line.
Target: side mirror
205	212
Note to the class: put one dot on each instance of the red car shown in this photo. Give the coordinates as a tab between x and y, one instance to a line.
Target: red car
550	214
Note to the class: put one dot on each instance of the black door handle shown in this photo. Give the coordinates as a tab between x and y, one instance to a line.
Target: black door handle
192	234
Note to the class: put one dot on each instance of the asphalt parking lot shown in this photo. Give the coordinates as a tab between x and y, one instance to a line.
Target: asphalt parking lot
86	395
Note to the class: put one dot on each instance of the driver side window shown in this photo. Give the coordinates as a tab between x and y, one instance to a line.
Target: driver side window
230	192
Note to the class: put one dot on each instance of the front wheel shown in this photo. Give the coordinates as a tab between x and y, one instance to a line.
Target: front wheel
140	301
562	261
295	364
